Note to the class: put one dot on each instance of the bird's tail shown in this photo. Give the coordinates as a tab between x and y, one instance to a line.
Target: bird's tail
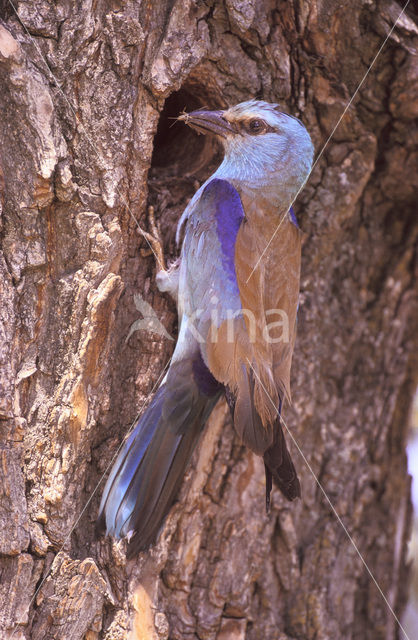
150	466
279	467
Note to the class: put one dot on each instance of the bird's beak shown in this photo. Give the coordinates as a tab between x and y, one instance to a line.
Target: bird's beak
208	122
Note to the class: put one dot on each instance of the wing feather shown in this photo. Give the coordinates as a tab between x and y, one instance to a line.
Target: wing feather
233	294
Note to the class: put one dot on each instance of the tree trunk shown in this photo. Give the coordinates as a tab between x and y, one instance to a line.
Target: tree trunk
87	93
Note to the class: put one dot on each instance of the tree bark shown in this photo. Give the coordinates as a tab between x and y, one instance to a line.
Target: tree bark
87	92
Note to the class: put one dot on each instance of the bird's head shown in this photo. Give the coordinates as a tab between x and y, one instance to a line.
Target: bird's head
264	148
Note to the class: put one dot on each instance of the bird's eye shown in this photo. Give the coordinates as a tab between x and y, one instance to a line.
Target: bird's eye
256	126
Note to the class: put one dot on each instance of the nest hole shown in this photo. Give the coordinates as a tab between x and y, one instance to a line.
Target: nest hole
182	159
178	150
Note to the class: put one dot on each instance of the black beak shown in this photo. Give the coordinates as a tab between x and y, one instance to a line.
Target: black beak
208	122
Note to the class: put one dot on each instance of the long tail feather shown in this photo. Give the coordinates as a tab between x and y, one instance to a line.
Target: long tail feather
150	466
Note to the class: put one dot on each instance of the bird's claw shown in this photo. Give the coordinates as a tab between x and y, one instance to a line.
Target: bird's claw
153	240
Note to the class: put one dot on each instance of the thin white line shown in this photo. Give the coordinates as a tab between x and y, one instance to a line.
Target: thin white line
329	138
157	259
87	136
94	491
332	506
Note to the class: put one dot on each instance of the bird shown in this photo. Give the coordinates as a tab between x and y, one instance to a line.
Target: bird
239	265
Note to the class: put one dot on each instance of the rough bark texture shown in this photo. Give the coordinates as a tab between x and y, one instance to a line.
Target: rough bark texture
86	145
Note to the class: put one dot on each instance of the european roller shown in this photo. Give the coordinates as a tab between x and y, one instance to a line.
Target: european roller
239	266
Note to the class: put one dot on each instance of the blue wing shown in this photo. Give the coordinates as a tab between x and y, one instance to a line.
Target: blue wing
213	307
220	302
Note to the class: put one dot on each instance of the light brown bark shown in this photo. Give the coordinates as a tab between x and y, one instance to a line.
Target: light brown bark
86	144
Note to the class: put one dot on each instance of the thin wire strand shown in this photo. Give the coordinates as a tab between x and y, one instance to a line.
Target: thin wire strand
124	200
86	134
95	489
329	137
331	505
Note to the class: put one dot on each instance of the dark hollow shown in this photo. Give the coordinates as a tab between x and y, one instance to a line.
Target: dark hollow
178	150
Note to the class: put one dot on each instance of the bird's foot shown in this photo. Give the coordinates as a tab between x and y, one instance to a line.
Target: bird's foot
153	239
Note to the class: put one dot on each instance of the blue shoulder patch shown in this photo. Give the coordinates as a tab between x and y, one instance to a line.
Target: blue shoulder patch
229	214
